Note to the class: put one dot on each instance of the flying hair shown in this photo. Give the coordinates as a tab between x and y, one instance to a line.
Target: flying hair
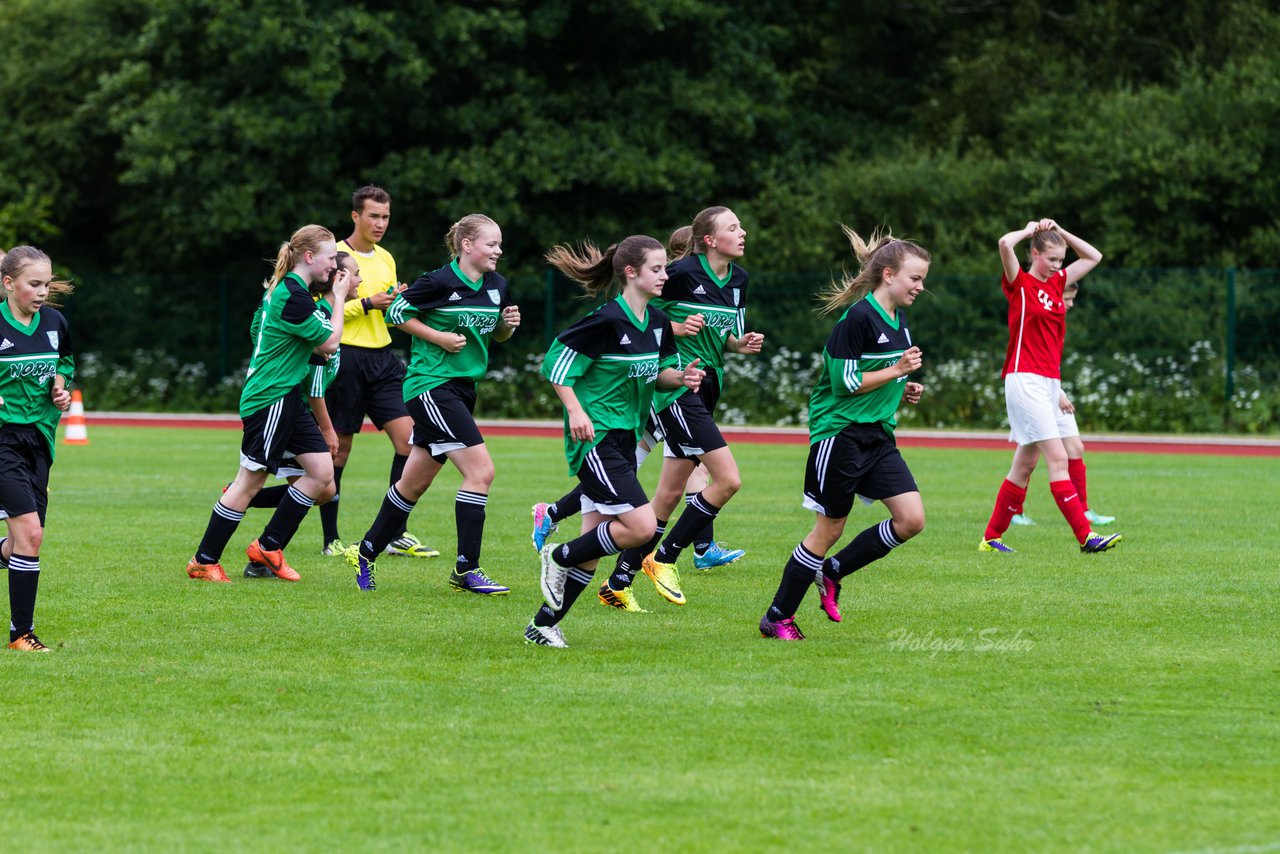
601	273
309	238
883	251
13	262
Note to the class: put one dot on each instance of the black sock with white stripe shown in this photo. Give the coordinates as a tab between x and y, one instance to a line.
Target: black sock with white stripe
592	545
24	580
797	576
397	469
578	580
870	545
269	496
569	504
629	560
285	521
706	536
468	514
329	510
388	525
698	514
222	525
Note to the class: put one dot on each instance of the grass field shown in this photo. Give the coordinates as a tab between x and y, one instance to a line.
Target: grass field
1129	700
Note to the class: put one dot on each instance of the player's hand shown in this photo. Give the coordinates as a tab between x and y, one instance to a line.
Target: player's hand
511	316
580	426
454	342
911	360
912	392
692	326
61	398
341	282
1065	404
381	300
1046	225
692	376
751	343
330	440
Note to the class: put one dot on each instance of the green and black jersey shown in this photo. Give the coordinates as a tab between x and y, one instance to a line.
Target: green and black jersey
865	339
446	300
611	359
289	326
693	288
322	370
31	355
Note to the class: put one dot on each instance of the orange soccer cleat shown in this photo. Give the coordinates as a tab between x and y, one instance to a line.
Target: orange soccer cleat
29	643
207	572
274	561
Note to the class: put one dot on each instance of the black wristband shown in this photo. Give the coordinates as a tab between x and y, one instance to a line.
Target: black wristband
366	304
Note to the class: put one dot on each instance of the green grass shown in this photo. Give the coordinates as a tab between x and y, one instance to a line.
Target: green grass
1137	711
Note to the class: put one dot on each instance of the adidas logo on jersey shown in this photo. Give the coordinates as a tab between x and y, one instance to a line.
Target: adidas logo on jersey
6	344
883	339
454	297
625	339
699	290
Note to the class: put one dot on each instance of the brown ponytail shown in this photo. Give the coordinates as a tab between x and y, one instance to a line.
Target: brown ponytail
884	252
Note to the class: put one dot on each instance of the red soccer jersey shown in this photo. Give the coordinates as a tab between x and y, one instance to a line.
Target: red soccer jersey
1037	324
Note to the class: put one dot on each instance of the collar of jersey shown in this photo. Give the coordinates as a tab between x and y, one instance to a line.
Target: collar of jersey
354	251
641	324
706	266
27	328
892	321
457	271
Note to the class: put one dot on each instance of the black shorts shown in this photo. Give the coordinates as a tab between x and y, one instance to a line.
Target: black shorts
608	476
442	419
709	391
280	432
369	382
24	471
861	459
688	429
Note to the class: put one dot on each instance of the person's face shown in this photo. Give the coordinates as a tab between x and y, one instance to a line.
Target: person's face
1045	264
482	252
30	288
1069	299
728	237
322	261
371	222
353	270
906	283
651	275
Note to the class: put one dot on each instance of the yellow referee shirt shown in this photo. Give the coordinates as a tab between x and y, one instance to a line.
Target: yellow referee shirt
377	275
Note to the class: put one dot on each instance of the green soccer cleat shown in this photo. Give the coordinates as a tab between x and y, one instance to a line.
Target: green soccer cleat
997	545
407	545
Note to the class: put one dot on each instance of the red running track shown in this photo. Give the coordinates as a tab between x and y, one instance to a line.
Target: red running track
1218	445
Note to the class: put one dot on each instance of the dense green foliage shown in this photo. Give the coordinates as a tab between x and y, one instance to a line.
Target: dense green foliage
1130	707
177	135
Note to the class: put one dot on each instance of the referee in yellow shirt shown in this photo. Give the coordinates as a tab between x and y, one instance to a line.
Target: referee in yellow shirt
370	376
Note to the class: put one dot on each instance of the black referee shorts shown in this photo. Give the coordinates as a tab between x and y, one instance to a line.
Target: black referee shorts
608	476
688	429
276	434
369	382
861	459
24	471
442	419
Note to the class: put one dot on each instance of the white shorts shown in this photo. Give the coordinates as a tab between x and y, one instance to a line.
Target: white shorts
1034	415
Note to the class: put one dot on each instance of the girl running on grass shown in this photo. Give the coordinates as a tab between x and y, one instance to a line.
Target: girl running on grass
604	369
852	413
1032	385
453	314
278	427
323	369
35	366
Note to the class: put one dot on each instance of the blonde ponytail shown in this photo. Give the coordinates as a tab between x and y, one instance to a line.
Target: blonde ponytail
309	238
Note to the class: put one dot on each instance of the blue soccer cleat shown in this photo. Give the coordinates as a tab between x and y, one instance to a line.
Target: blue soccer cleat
717	555
543	527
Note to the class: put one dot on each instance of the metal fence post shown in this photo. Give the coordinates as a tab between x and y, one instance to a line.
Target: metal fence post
1229	382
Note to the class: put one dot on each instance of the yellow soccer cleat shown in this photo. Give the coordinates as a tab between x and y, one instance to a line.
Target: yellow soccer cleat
623	600
666	578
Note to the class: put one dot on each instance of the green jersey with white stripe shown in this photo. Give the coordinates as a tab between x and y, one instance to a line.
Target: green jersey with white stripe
611	359
692	287
446	300
865	339
288	327
31	355
323	370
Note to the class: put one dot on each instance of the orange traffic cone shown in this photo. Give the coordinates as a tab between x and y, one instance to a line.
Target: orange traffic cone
76	432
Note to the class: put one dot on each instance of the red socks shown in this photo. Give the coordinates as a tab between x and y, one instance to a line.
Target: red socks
1072	508
1075	470
1008	503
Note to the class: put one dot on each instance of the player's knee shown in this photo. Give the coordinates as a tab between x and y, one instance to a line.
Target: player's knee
324	491
909	524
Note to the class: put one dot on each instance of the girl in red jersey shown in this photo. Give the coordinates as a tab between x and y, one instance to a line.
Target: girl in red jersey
1032	385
